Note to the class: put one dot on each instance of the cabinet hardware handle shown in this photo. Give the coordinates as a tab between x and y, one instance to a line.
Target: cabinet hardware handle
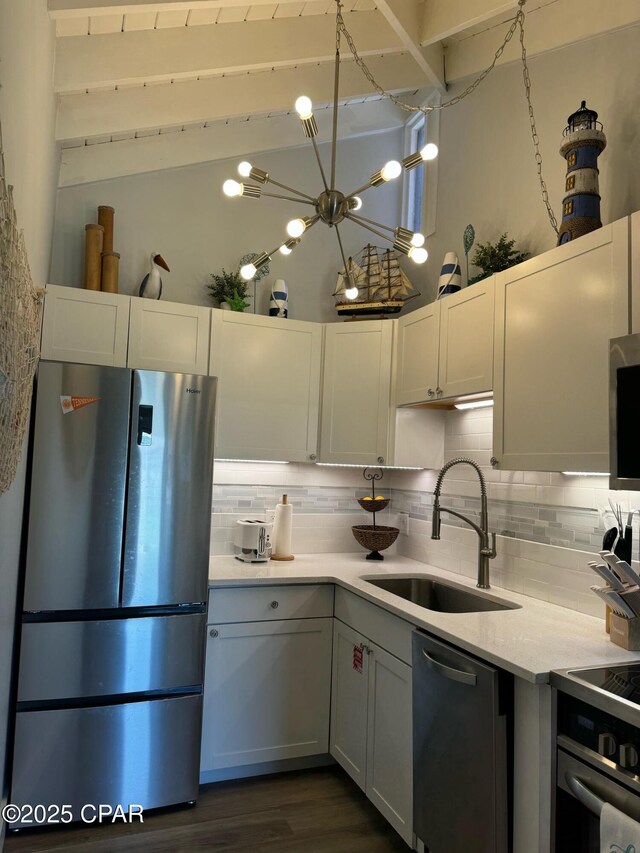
431	393
213	632
494	461
439	392
381	460
449	672
275	605
312	457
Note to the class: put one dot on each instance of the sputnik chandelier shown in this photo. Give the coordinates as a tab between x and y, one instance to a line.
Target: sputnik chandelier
331	206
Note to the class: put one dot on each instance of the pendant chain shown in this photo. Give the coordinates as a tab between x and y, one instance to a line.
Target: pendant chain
516	22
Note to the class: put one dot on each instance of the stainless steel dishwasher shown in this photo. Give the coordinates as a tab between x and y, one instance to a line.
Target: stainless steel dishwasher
462	734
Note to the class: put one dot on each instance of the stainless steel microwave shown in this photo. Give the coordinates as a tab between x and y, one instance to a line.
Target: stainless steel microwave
624	412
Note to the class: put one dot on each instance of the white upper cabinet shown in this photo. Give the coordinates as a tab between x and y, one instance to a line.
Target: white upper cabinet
169	336
635	272
555	315
268	373
446	348
85	326
418	348
356	392
466	340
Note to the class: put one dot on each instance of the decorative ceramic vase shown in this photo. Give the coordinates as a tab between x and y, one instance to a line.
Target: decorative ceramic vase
225	306
450	278
279	302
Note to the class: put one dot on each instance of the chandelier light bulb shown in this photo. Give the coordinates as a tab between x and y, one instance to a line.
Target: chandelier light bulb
285	250
247	272
244	169
296	228
417	240
351	292
418	255
356	203
232	188
429	152
304	107
391	170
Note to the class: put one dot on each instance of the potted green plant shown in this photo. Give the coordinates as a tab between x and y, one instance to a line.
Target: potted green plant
492	258
228	289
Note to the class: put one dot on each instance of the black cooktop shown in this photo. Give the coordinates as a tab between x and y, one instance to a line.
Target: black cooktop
622	681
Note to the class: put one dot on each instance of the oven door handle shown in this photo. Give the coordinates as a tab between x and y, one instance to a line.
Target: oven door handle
584	794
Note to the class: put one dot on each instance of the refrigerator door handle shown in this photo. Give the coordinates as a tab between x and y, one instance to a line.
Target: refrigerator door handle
145	425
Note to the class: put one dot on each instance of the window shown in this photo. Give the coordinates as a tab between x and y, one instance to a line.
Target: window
420	184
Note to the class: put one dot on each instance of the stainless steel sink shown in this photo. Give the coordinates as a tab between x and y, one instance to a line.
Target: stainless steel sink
434	594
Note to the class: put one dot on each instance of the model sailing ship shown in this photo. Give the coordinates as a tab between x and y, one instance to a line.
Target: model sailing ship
383	288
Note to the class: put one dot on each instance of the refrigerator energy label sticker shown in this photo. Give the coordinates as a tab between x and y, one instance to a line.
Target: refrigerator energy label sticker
71	403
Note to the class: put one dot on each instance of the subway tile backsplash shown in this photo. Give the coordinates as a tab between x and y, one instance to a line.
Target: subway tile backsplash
547	523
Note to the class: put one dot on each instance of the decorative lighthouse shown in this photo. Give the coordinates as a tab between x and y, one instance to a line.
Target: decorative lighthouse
584	139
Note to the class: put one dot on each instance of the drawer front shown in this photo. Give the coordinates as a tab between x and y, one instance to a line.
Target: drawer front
262	603
383	628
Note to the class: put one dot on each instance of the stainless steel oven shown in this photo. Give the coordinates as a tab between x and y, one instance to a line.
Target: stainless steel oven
598	752
624	410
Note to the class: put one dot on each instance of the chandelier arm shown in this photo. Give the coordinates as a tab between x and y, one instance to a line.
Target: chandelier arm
289	198
317	153
359	191
368	227
344	260
336	86
291	189
358	218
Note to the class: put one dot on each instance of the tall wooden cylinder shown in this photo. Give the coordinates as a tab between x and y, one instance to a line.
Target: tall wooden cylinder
93	239
110	265
105	218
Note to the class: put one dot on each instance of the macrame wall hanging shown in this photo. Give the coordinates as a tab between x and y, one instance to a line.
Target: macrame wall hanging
20	310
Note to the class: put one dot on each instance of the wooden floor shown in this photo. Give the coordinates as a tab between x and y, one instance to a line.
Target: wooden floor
315	811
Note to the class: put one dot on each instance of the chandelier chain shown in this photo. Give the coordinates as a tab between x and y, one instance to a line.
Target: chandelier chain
515	23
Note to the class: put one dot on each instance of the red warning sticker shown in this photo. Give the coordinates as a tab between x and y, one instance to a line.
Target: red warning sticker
72	403
357	658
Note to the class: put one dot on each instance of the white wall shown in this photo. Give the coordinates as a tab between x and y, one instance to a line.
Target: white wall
486	171
183	214
27	112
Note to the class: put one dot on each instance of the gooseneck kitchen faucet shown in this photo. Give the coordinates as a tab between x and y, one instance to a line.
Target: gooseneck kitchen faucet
486	543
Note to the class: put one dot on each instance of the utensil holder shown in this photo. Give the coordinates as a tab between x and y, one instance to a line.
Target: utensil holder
625	632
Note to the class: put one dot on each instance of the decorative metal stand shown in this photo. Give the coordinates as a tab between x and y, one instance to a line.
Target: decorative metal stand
374	536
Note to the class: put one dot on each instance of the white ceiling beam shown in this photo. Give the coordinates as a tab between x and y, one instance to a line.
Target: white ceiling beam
405	19
59	9
84	116
130	58
445	18
219	141
547	27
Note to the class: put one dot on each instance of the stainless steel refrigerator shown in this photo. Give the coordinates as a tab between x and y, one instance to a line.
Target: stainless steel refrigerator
113	624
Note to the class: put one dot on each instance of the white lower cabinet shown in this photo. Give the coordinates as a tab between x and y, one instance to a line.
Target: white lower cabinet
371	724
267	693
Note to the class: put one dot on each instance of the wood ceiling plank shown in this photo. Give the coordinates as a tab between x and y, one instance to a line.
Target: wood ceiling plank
289	10
166	20
104	24
232	14
200	17
72	26
261	13
136	21
223	97
405	17
190	52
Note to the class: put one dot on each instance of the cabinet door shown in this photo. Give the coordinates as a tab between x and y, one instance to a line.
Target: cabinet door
169	336
389	740
349	697
356	392
635	272
555	315
85	326
417	371
466	341
267	692
268	373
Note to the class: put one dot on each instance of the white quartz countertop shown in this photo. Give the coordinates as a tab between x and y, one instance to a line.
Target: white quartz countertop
529	642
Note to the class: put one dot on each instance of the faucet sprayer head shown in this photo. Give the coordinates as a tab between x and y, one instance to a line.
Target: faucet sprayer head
435	521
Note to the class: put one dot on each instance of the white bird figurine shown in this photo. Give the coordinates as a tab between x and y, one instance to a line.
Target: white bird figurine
151	285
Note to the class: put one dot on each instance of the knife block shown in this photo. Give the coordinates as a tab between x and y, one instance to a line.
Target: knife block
625	632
